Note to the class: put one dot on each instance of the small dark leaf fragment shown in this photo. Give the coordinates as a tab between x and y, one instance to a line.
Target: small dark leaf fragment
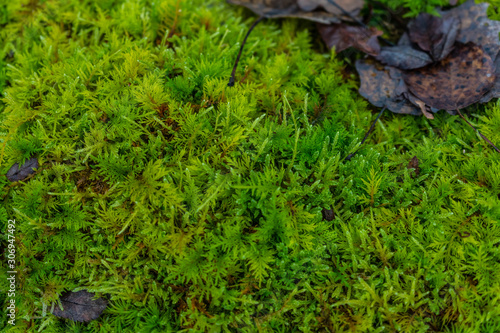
79	306
17	172
328	214
414	164
404	57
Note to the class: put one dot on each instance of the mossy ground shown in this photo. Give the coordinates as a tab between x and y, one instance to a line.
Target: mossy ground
196	207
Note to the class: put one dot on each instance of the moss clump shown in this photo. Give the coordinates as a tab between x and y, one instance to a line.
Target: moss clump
196	207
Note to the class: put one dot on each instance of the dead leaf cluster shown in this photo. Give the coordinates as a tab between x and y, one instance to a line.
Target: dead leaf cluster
442	63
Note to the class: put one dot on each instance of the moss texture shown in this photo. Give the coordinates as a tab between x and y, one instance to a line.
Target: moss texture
196	207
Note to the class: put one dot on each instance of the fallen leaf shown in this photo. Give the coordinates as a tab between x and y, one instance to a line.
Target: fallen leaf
384	87
495	90
433	34
17	172
343	36
403	57
404	40
80	306
291	8
456	82
476	27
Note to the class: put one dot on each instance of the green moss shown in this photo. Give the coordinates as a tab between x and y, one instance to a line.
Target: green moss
197	207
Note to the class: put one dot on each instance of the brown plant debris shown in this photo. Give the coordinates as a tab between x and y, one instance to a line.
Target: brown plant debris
17	172
435	35
384	87
447	63
414	164
403	57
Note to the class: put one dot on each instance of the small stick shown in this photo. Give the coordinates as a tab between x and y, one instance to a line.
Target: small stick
358	21
232	78
367	134
485	138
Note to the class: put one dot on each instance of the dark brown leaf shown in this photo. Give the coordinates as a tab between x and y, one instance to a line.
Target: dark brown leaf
404	40
456	82
79	306
291	8
435	35
414	164
476	27
17	173
424	30
384	87
403	57
343	36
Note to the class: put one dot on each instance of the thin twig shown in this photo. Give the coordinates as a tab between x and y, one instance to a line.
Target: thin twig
232	78
367	134
485	138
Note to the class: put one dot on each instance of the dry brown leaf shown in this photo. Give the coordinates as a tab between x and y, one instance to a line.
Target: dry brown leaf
433	34
384	87
456	82
343	36
403	57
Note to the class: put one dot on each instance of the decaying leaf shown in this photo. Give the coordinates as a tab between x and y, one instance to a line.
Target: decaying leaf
384	87
343	36
328	214
456	82
414	164
495	90
17	172
403	57
476	27
317	11
433	34
80	306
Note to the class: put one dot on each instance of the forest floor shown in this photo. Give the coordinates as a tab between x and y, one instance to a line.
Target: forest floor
191	206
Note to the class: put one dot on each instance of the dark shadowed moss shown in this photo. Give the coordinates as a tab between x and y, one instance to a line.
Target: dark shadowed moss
196	207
